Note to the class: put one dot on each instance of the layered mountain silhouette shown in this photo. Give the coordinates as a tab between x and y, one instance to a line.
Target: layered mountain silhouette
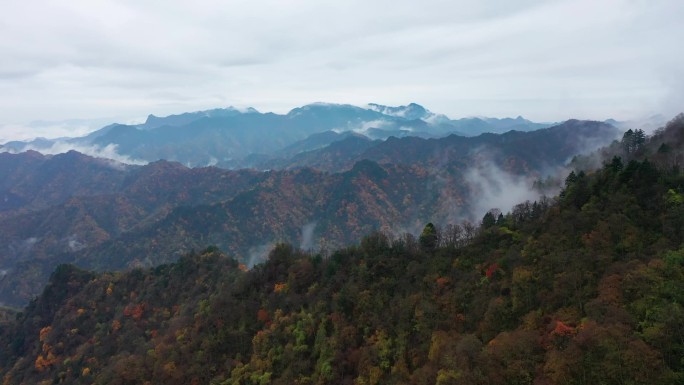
100	214
233	138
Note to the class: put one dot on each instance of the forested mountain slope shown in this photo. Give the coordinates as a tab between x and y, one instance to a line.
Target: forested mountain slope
547	145
585	288
104	215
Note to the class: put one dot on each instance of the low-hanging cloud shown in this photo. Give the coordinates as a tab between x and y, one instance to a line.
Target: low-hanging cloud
21	249
363	127
258	254
492	187
73	243
307	242
109	152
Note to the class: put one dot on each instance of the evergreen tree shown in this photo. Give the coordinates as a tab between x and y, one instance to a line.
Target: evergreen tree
428	238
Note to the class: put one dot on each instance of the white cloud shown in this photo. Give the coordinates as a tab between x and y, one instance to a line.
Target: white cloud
491	187
307	242
55	129
259	254
363	127
108	153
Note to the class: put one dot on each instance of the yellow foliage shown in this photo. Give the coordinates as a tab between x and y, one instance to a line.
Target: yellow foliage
439	340
43	363
375	375
85	372
170	367
447	376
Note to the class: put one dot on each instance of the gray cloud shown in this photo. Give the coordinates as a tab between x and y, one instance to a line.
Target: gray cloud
307	242
547	60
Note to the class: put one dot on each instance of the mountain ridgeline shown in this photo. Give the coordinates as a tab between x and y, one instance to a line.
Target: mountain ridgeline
583	288
99	214
233	138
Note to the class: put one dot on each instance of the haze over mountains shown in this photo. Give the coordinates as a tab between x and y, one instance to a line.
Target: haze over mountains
523	226
327	186
247	138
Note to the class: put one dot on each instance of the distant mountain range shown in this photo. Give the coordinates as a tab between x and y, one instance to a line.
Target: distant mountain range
101	214
233	138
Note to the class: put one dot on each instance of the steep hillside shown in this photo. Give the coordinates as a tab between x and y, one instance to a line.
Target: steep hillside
30	181
582	289
665	147
72	202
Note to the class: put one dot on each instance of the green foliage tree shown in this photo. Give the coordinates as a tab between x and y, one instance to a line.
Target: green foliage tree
428	238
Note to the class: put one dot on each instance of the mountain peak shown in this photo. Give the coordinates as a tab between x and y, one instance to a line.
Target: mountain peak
150	118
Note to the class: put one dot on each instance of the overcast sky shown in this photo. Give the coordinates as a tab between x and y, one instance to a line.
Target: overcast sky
546	60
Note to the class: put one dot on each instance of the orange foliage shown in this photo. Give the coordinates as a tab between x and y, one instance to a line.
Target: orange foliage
243	267
262	315
116	325
563	329
279	287
442	281
135	311
44	332
43	363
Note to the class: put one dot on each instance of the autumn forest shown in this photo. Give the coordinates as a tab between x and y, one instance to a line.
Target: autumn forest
585	287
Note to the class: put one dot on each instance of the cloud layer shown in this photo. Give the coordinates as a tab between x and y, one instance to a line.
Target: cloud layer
108	153
547	60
